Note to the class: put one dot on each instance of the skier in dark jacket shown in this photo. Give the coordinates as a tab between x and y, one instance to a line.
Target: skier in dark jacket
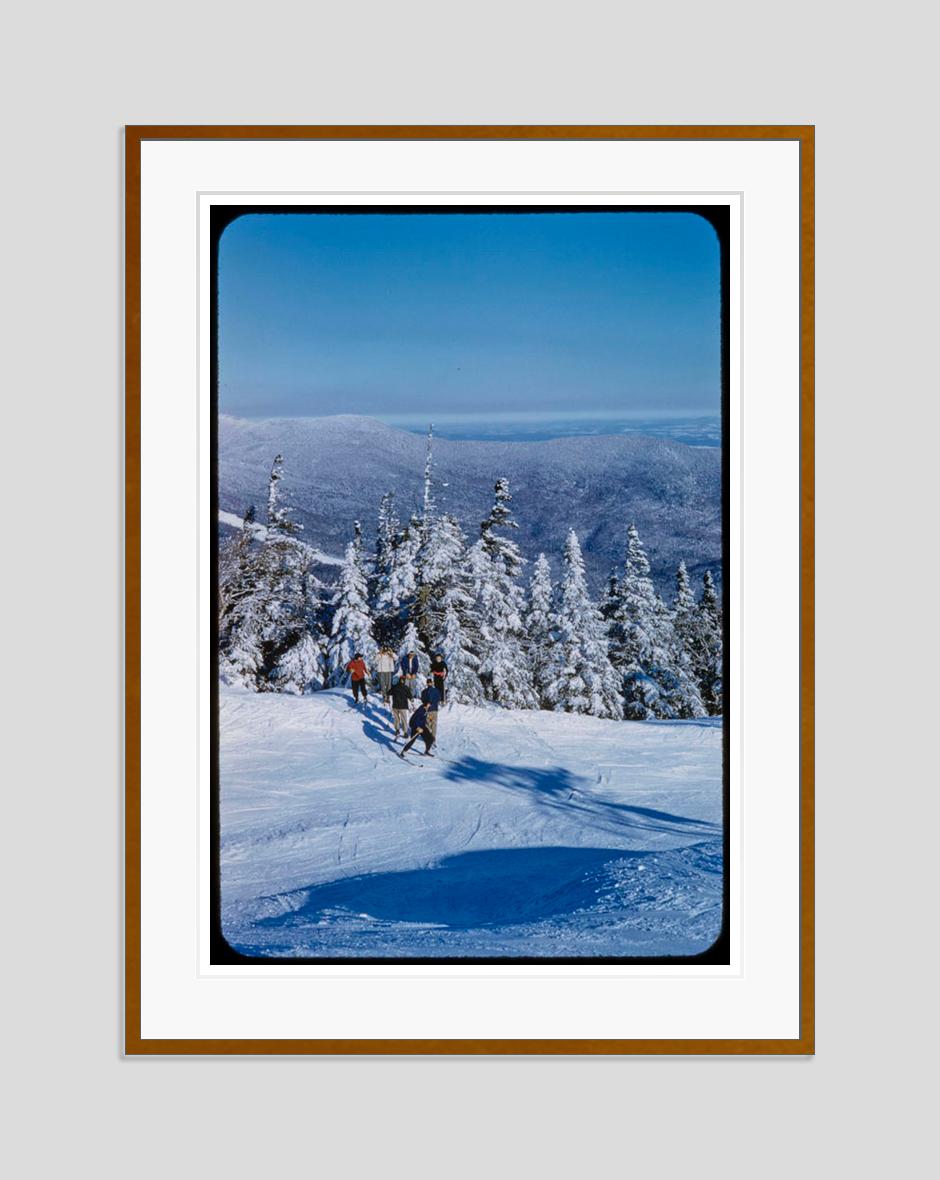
439	672
419	728
409	670
431	699
401	703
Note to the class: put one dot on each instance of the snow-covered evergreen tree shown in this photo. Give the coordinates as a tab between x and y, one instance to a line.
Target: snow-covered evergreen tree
386	533
500	517
352	622
710	670
269	636
234	576
440	565
443	615
428	505
411	642
396	589
495	564
455	643
384	613
584	680
279	514
300	669
679	694
684	607
240	623
697	630
643	646
294	652
608	604
686	647
539	623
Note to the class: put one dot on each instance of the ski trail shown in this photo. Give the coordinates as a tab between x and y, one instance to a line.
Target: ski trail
315	799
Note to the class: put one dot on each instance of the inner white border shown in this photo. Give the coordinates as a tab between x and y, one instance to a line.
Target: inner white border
182	996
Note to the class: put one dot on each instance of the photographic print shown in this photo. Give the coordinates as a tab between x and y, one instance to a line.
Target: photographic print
469	590
469	512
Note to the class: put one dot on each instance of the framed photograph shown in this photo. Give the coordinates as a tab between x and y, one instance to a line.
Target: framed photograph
469	566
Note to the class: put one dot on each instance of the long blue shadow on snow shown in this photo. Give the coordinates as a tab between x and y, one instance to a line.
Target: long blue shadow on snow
501	886
558	787
376	727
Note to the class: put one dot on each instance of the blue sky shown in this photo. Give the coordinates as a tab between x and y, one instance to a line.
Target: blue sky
469	314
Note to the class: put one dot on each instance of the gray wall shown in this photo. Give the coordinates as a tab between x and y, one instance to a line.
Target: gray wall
74	75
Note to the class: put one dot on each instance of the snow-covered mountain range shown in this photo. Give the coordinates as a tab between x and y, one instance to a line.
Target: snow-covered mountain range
336	469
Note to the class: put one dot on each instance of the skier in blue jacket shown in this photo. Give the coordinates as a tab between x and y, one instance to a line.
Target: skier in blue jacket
431	699
409	671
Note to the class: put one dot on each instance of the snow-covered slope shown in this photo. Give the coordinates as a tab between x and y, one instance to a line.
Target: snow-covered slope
336	469
532	834
230	520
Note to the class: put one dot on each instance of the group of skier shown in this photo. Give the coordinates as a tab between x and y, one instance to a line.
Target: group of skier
400	692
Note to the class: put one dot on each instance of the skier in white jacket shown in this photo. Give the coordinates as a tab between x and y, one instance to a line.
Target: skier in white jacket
385	666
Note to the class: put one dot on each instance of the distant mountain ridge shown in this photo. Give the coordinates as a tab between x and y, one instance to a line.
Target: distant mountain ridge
336	470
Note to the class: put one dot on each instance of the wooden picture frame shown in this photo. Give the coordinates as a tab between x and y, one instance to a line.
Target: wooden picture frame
136	1042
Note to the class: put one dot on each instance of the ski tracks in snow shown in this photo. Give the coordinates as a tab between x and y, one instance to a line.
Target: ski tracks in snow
313	794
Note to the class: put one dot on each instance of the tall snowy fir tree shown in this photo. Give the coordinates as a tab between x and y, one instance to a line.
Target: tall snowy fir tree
684	608
608	604
299	666
440	540
679	694
631	629
396	590
411	641
235	575
241	659
428	504
643	646
384	612
296	658
426	611
584	680
440	563
352	623
538	623
279	519
692	635
447	623
270	640
710	671
455	644
495	563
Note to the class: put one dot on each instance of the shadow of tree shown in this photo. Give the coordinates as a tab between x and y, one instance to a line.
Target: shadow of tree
377	728
500	886
559	787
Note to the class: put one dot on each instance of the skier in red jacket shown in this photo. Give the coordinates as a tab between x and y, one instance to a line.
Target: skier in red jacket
359	672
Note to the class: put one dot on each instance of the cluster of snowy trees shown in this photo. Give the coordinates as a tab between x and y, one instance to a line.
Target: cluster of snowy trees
426	587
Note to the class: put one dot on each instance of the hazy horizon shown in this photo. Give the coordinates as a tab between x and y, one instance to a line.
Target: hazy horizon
536	426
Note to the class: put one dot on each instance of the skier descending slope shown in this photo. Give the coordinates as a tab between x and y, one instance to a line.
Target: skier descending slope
419	728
